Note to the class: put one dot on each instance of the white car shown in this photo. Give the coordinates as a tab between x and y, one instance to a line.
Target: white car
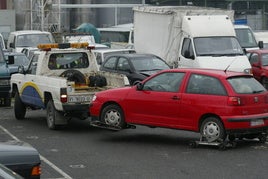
101	54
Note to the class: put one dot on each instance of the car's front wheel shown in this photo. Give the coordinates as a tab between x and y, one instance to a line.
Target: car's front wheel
212	130
113	115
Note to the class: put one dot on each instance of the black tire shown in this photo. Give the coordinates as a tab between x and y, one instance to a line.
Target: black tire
74	75
212	130
113	115
51	115
19	107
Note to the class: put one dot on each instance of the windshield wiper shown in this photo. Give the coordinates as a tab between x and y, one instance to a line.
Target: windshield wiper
259	91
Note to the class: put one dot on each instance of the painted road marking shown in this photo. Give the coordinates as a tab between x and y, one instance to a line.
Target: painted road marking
65	175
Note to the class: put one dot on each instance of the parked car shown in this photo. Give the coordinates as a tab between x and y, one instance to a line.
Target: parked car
135	66
215	103
18	58
22	159
6	173
101	54
259	61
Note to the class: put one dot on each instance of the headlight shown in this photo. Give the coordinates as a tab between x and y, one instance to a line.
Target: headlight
4	82
94	98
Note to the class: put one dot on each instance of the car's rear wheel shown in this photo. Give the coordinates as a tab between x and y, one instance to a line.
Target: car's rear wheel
113	115
212	130
19	107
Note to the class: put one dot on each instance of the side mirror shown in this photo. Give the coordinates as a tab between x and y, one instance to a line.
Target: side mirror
11	45
10	60
260	44
21	69
139	86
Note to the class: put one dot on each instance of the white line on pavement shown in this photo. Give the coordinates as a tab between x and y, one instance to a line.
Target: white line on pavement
65	175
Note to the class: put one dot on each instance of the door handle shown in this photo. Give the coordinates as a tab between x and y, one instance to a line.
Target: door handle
175	98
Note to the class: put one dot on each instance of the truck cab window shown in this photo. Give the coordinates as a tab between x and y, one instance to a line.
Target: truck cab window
187	48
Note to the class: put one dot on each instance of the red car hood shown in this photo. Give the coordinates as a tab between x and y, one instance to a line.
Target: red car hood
115	92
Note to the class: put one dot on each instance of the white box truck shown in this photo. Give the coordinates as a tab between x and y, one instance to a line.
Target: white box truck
189	36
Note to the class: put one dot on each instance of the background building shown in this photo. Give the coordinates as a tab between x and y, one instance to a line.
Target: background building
65	15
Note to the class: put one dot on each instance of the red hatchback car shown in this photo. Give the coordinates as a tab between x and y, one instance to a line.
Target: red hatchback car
215	103
259	62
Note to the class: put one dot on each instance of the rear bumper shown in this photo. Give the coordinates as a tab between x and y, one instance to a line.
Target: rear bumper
257	130
244	124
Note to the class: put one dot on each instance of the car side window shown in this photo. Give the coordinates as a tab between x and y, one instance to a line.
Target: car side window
33	65
203	84
123	64
253	58
168	82
110	63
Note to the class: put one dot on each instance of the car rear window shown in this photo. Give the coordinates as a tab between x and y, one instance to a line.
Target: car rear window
246	85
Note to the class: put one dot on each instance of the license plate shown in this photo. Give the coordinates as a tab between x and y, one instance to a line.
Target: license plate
257	122
79	99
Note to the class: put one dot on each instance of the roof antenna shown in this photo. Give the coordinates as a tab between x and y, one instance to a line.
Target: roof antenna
229	65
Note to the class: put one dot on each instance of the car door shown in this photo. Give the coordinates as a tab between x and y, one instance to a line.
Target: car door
158	103
30	92
110	64
255	62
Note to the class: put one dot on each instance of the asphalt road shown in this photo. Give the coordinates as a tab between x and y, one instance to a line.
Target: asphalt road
80	151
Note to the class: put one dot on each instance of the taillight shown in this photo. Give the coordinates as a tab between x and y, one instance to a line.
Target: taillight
63	95
36	171
234	101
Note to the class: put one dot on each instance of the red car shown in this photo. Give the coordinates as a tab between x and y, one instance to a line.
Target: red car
259	62
215	103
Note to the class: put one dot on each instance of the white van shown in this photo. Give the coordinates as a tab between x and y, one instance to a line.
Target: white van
18	40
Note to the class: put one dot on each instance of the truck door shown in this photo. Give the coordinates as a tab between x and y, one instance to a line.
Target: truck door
30	92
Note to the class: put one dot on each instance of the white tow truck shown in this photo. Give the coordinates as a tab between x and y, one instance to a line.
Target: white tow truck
61	78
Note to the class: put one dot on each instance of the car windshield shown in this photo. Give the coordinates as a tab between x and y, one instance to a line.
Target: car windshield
217	46
265	59
148	64
246	38
245	85
32	40
19	60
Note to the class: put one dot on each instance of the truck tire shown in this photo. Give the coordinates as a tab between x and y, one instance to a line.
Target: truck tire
19	107
52	114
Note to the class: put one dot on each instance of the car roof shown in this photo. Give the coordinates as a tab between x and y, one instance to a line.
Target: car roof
20	32
112	50
211	72
258	51
13	53
134	55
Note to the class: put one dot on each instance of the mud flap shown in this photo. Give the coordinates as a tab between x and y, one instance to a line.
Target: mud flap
60	119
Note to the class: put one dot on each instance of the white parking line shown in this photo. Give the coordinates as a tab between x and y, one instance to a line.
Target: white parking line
65	175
